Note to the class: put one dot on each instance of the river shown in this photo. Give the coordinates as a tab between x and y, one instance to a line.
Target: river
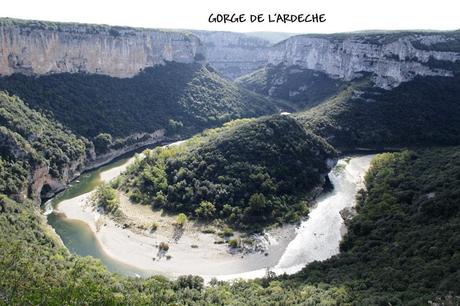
317	238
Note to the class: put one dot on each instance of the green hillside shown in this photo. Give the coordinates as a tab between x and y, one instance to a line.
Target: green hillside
425	111
403	247
191	96
29	140
250	172
304	88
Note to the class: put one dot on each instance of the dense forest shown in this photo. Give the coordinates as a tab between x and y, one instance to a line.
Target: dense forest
183	98
29	140
304	88
401	249
249	173
421	112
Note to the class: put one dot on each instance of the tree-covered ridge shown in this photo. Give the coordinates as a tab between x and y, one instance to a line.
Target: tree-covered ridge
425	111
403	247
303	87
249	173
73	27
192	95
28	140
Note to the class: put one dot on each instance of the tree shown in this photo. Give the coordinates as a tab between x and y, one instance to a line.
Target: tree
174	126
206	210
102	142
257	202
106	197
160	198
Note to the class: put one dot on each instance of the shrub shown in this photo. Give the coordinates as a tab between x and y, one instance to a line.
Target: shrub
181	220
107	198
226	232
206	210
233	243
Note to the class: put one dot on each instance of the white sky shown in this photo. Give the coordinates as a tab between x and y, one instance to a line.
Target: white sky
342	15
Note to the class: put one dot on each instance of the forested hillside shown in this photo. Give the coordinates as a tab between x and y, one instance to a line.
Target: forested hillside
30	141
401	249
249	173
303	87
248	168
184	98
425	111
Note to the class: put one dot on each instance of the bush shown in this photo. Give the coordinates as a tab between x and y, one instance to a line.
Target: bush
181	220
206	210
106	197
227	232
233	243
102	142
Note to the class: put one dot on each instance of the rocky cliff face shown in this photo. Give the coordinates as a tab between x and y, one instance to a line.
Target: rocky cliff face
390	58
234	54
31	47
42	48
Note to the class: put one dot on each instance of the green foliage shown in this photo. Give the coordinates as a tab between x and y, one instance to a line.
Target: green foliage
183	98
257	203
206	210
249	172
421	112
303	87
102	142
106	197
403	247
29	140
174	127
181	220
233	243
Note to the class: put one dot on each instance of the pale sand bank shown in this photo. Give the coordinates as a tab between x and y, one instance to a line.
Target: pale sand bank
140	248
288	249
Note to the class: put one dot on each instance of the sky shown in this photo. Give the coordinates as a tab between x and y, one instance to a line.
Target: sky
341	16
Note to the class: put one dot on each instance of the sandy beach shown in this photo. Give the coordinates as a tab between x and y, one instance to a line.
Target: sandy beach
191	251
139	248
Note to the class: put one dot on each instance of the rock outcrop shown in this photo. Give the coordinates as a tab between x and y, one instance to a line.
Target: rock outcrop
390	58
234	54
37	48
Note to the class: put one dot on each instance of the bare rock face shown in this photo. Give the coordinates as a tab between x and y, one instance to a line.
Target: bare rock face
390	58
234	54
43	48
37	48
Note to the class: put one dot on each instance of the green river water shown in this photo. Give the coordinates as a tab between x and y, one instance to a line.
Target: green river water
76	235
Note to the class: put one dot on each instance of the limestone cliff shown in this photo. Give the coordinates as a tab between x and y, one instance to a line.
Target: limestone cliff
391	58
234	54
37	48
32	47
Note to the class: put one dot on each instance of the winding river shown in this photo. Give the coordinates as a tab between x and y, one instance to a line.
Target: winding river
317	238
